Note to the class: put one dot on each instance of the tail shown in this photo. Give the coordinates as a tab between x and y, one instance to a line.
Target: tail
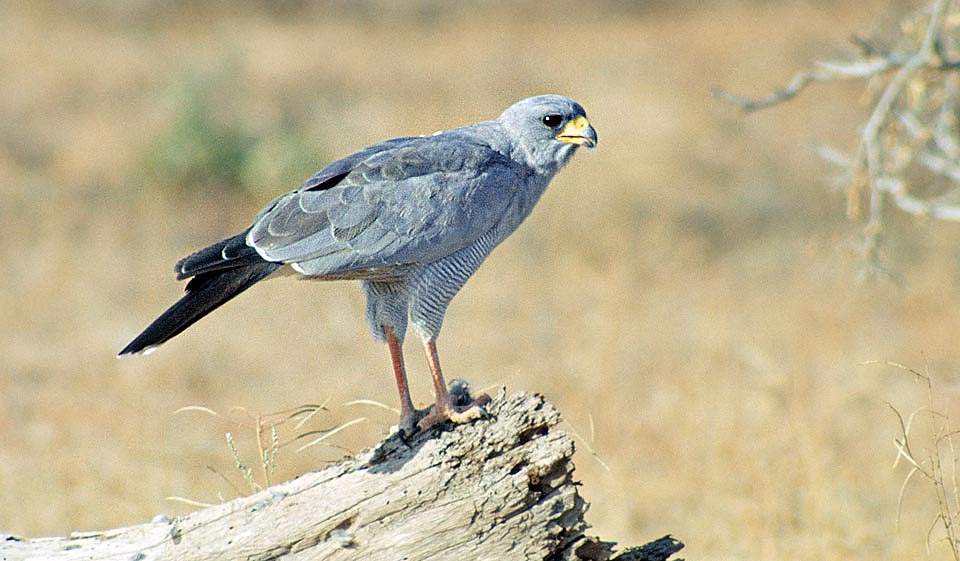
217	274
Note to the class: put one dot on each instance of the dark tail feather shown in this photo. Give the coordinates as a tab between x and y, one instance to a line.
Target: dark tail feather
230	253
205	292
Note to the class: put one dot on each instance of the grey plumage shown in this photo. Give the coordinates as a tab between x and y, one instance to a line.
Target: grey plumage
412	218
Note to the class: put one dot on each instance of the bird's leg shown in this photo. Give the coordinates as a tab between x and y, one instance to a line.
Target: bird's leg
408	414
445	409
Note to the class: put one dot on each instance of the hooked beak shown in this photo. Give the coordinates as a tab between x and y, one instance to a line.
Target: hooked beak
579	132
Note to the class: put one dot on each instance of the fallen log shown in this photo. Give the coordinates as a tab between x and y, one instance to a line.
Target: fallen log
500	488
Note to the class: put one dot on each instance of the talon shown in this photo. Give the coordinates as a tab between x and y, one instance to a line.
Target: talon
482	401
466	414
454	413
406	429
409	424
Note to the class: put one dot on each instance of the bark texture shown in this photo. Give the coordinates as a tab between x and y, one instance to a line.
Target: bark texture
498	489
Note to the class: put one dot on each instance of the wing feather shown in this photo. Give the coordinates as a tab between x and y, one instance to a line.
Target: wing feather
401	202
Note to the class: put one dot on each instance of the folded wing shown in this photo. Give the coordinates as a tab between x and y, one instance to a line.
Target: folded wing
405	201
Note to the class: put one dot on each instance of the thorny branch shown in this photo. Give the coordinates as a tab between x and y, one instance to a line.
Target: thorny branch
908	151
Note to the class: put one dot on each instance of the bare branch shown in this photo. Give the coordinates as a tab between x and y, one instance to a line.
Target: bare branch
799	82
911	126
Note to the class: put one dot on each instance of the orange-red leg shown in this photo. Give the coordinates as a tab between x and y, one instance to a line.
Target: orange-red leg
408	414
444	409
439	385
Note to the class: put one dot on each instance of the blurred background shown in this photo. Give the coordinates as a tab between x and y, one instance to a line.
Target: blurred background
685	294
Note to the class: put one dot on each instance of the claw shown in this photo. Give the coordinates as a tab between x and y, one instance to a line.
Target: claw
408	426
458	414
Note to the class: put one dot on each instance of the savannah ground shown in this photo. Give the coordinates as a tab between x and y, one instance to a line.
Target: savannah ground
685	294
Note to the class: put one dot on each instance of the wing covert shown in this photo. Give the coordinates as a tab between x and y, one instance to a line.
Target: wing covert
403	201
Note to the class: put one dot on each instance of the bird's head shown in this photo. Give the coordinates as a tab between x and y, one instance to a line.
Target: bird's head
548	129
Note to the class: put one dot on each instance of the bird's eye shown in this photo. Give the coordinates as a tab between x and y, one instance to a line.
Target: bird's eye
552	120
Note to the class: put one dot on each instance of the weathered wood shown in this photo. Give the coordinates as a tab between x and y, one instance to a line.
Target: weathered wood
500	488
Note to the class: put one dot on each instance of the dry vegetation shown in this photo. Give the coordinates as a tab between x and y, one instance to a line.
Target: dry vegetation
685	289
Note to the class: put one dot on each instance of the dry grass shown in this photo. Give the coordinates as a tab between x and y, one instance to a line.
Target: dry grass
685	285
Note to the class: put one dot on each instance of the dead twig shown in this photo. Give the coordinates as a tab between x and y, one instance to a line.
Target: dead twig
911	126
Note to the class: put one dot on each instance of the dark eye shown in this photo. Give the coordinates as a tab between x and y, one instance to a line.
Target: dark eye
552	120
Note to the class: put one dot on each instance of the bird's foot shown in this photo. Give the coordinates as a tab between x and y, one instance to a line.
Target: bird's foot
409	421
459	407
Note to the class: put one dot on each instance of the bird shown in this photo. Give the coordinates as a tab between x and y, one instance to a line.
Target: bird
411	218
